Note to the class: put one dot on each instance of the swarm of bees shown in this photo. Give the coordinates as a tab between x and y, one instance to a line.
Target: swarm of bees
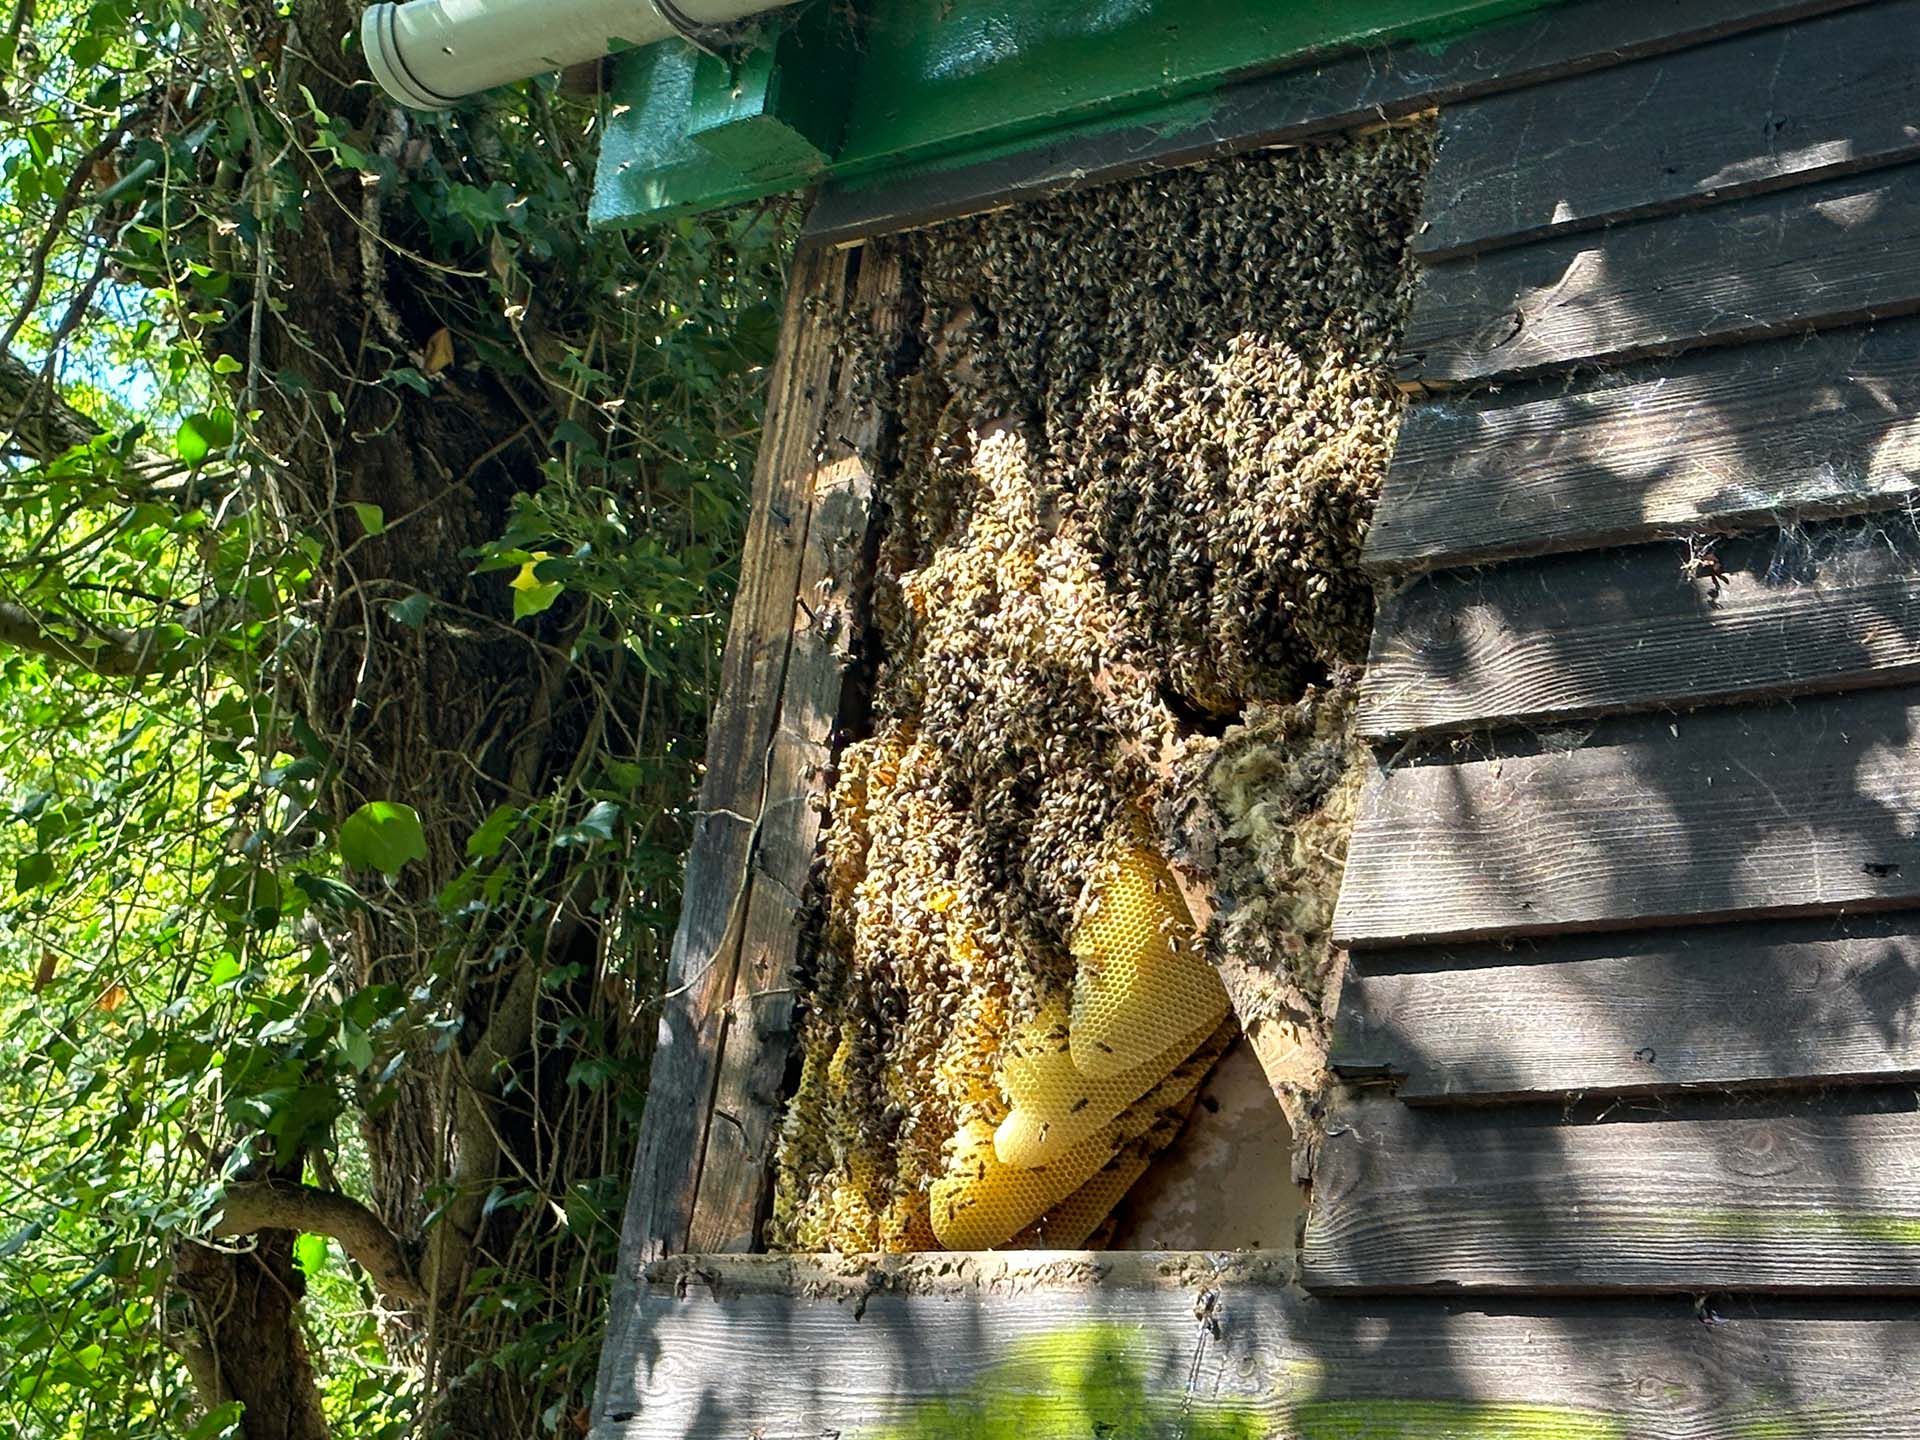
1137	458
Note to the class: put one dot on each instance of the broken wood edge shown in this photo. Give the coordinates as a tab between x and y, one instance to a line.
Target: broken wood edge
964	1273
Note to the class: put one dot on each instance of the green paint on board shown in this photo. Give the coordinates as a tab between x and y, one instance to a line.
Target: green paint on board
1082	1382
1757	1225
1450	1420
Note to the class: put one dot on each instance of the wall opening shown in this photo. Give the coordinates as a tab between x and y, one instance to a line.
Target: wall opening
1070	964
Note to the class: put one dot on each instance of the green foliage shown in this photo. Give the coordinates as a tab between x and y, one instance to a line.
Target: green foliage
382	836
240	933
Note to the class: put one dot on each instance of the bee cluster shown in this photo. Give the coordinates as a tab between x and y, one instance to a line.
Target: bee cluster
1137	456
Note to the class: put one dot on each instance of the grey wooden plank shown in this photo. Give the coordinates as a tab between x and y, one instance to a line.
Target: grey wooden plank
1832	253
1758	112
1806	609
1302	104
1747	812
704	960
827	624
1723	439
1049	1346
1726	1006
1795	1199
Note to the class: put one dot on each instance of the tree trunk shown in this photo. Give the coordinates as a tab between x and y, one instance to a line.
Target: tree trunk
246	1344
453	717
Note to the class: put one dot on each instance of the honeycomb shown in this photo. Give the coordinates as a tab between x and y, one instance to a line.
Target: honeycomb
981	1203
1054	1105
1074	1221
1134	438
1083	1216
1139	980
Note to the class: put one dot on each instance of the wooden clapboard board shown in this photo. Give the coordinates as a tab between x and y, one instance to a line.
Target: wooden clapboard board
1633	889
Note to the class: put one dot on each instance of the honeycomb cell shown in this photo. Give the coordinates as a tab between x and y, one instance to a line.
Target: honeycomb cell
980	1203
1140	983
1082	1219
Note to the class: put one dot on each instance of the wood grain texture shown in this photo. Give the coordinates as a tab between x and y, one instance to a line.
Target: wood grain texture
1758	112
1776	810
1303	104
1812	608
1832	253
1794	1199
1724	439
702	968
826	623
1205	1347
1726	1006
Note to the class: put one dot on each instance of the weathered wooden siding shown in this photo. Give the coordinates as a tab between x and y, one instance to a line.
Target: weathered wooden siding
1213	1347
1642	689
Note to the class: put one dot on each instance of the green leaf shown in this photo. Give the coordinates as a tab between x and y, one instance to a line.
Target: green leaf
531	594
356	1046
373	519
412	611
218	1423
383	836
246	895
597	824
32	872
329	894
200	435
485	842
298	1114
572	432
310	1254
626	774
593	1072
20	1239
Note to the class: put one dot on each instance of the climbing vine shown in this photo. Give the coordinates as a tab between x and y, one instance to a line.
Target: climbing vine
367	533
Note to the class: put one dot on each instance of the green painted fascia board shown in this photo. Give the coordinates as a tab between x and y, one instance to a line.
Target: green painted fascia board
941	76
933	83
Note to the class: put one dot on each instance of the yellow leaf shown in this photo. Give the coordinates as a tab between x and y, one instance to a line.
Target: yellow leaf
526	579
531	594
439	352
112	998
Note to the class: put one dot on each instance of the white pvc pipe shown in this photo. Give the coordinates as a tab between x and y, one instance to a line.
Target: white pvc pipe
430	53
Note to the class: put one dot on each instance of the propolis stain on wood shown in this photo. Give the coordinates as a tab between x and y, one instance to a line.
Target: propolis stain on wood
1118	614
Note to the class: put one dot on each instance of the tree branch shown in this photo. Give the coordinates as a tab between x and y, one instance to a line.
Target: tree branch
110	650
46	426
36	422
274	1205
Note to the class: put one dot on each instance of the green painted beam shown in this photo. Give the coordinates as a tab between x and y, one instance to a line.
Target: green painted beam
935	82
947	75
